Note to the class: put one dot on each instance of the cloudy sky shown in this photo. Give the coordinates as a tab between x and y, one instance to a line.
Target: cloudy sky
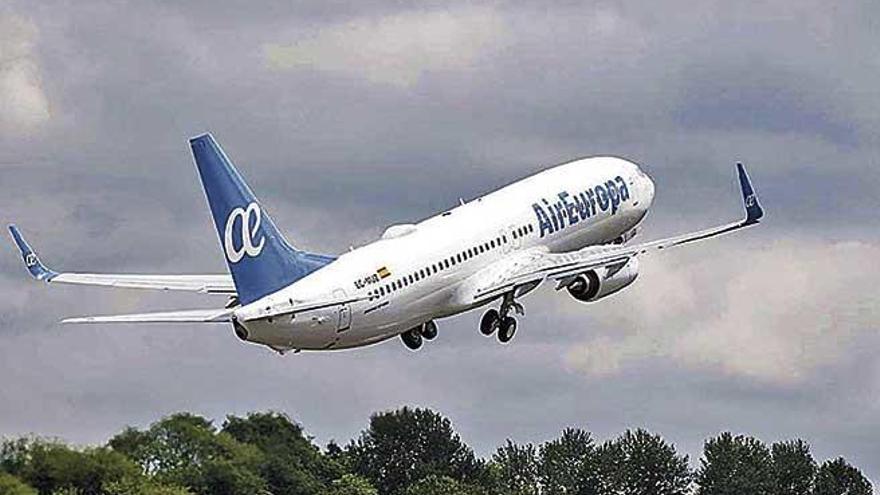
347	118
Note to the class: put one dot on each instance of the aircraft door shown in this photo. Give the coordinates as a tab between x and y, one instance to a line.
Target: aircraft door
344	318
344	313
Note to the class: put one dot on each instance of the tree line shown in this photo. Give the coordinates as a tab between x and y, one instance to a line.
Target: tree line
407	452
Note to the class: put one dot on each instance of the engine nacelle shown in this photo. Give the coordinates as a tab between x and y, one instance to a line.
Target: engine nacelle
592	285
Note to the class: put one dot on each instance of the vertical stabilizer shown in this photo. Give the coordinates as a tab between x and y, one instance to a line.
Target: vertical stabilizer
260	259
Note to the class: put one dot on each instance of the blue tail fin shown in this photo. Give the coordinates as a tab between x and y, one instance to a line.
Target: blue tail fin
260	259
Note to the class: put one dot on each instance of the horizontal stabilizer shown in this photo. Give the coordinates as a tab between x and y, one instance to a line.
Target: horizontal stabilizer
187	316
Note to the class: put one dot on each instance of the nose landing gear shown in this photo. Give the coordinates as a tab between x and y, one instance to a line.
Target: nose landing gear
499	320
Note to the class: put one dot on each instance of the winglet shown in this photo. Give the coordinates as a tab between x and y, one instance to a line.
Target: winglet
754	212
31	261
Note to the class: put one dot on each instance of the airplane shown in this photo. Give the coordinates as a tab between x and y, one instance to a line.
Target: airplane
570	225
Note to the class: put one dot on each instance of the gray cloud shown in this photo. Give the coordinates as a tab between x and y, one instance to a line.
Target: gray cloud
768	332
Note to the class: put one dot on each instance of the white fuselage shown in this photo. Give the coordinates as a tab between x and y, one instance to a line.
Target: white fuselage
417	273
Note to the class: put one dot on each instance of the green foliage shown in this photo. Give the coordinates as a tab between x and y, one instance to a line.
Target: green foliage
186	450
10	485
443	485
407	445
732	465
291	463
141	485
838	477
794	468
568	465
14	454
406	452
53	467
639	463
350	484
515	469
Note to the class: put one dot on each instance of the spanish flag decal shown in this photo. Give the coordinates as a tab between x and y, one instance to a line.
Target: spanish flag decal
383	272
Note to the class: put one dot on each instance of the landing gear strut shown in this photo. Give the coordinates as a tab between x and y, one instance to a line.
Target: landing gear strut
499	320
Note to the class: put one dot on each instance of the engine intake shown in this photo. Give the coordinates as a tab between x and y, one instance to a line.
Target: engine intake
590	286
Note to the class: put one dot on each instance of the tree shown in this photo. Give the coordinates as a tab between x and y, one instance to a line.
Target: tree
794	468
515	469
404	446
14	454
639	463
838	477
52	466
732	465
291	464
569	464
186	450
10	485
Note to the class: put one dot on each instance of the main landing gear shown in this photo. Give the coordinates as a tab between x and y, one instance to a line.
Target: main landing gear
499	320
414	337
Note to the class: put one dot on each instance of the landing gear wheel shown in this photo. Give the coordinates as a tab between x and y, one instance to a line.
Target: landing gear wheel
429	330
507	329
412	339
489	322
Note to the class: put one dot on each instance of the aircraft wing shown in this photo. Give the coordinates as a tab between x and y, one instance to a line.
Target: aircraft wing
208	284
538	266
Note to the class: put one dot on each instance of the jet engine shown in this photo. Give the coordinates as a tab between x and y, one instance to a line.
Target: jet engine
593	285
